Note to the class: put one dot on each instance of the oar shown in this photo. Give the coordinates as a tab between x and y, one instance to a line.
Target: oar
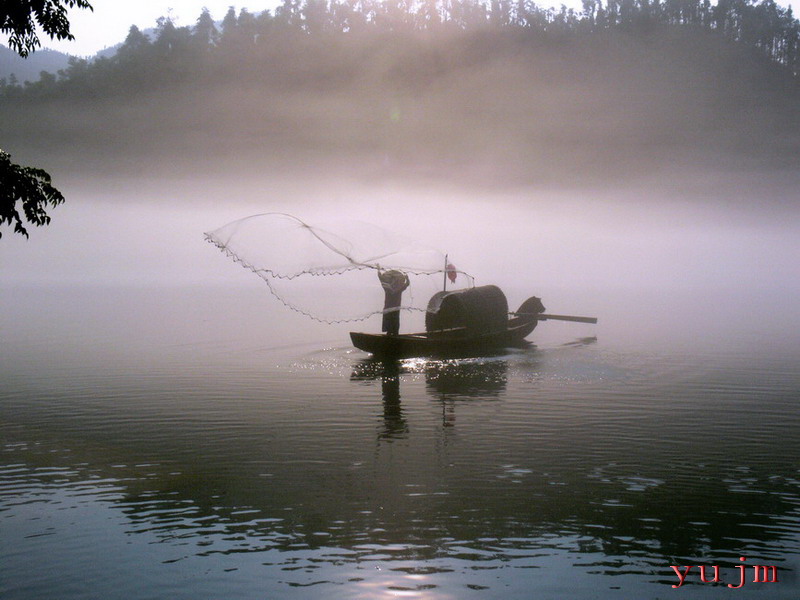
545	317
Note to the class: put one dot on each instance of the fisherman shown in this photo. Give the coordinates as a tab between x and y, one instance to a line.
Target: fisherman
394	283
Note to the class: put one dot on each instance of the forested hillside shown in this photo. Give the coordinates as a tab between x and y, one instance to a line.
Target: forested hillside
504	91
20	69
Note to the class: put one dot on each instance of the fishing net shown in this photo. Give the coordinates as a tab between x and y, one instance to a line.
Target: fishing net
329	272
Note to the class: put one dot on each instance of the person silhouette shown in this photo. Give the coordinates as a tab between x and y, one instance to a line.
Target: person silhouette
394	283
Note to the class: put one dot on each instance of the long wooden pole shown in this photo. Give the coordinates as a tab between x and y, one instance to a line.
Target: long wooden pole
445	273
546	317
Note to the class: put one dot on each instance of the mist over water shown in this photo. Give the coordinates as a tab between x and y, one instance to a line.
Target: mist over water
663	261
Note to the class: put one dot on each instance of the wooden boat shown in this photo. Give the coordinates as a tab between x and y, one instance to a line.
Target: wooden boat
464	323
445	342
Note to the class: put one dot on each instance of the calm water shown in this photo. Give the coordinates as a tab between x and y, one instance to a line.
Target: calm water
195	443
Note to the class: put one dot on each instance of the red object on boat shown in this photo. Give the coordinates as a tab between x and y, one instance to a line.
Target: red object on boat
451	272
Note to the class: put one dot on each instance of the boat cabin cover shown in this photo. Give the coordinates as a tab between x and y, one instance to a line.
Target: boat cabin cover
480	310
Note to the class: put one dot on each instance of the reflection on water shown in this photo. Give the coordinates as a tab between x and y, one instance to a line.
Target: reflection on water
447	381
394	423
568	469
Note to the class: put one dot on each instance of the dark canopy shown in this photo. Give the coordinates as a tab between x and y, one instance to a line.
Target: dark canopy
481	310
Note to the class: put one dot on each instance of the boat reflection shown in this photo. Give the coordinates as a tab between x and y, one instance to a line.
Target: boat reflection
446	380
473	378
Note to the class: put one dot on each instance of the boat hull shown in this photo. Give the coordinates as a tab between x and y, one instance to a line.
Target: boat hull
444	343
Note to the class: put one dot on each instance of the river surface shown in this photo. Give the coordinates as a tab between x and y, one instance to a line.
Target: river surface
196	442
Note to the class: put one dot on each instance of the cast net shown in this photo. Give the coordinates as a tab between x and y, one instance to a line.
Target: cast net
329	272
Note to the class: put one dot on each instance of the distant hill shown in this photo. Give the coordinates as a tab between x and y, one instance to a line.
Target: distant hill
28	69
495	104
